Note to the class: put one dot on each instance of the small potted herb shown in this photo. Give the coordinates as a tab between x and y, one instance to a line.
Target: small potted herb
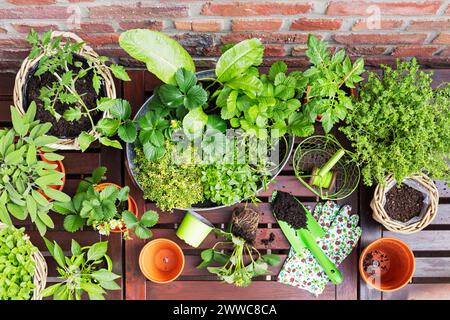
330	84
74	91
106	207
23	270
88	270
233	268
30	179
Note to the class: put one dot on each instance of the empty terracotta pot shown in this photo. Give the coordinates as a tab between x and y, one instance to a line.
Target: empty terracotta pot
132	206
161	260
387	264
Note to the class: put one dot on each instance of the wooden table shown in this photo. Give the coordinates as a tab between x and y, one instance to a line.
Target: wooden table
431	246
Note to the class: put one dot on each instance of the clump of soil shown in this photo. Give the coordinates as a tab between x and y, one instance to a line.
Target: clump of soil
404	203
63	128
244	223
376	261
288	209
269	240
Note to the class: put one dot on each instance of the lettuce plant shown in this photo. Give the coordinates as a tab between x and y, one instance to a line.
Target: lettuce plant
24	178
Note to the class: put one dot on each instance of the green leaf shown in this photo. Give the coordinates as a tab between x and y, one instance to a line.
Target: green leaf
215	122
110	143
162	55
85	140
75	248
108	126
317	51
104	275
238	59
185	79
49	291
143	233
45	218
63	207
194	122
251	85
58	255
149	218
130	219
271	259
4	216
120	109
40	199
299	125
195	97
109	285
91	288
96	83
56	195
50	156
127	132
17	211
119	72
15	157
73	223
97	251
152	152
276	68
19	123
72	114
170	95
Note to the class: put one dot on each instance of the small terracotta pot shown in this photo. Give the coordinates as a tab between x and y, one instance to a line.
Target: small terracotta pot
393	267
132	206
161	260
60	167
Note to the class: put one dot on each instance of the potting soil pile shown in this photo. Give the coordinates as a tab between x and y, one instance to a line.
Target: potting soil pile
342	234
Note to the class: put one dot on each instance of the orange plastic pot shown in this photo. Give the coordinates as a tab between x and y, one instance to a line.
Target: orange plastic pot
132	206
161	260
60	168
392	264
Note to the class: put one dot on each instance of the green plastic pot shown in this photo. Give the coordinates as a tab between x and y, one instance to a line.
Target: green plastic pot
194	229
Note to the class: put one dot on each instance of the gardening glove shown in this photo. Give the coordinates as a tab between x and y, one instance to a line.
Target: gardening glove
341	235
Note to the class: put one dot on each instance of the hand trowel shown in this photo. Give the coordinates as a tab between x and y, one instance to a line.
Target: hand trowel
306	238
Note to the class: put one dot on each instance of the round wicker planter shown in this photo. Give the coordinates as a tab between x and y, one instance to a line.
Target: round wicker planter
40	272
25	72
379	199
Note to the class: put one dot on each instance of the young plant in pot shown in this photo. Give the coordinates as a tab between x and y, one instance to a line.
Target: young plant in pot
330	84
106	207
245	261
74	91
400	128
200	109
88	270
30	179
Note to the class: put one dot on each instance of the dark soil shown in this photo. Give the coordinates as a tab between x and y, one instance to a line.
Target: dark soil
404	203
63	128
269	240
288	209
244	224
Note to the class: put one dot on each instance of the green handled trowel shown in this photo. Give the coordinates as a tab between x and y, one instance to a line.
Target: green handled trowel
305	238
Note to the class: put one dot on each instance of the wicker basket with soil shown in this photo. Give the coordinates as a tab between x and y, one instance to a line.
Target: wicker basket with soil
407	208
27	88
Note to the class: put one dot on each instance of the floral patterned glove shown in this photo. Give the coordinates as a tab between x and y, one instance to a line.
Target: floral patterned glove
341	236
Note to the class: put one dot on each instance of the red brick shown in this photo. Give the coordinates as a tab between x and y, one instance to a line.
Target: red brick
443	38
141	24
363	24
447	12
31	2
139	11
25	28
199	25
316	24
56	12
418	51
351	39
3	30
365	50
430	25
100	39
274	51
299	51
266	37
254	8
405	8
94	27
445	53
14	53
256	25
81	1
13	43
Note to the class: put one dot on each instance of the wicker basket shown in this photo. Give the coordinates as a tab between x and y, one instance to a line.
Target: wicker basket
380	215
40	272
27	65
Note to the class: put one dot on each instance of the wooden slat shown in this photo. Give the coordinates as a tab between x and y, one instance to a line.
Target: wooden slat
7	84
444	189
432	268
435	291
83	163
204	290
5	114
425	240
443	215
288	184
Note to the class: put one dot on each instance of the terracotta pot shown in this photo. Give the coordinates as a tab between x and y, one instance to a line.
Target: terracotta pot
60	168
132	206
161	260
394	266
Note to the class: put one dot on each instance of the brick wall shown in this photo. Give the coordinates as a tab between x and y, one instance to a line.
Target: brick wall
379	30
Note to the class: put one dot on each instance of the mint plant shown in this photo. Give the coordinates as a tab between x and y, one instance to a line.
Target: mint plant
88	270
62	62
328	82
17	266
104	210
24	178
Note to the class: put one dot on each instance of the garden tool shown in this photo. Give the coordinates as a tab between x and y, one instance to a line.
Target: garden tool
306	238
324	177
341	236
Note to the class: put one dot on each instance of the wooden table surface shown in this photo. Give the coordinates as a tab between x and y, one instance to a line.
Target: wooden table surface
431	246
